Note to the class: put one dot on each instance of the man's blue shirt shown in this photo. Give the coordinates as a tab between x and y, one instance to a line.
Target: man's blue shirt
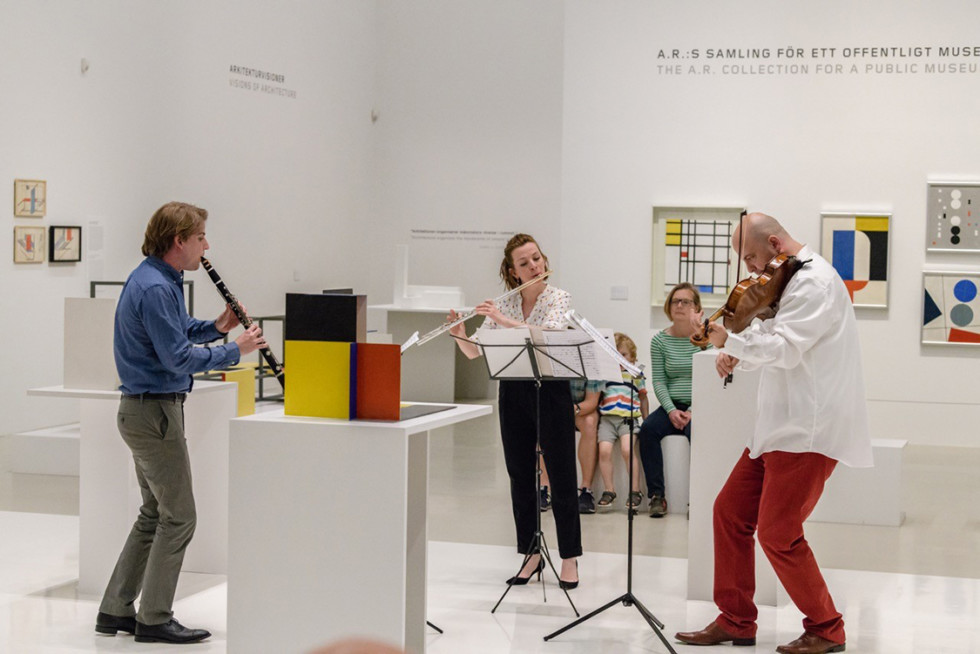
154	336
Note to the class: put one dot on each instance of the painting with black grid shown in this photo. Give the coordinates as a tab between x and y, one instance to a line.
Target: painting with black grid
697	251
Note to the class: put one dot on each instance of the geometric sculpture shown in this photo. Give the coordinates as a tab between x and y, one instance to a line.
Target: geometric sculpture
332	372
857	247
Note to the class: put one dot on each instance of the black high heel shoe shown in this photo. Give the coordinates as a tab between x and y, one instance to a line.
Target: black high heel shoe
520	581
569	585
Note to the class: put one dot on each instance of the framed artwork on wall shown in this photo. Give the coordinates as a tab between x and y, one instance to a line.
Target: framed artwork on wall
64	243
856	245
950	308
952	221
30	198
28	244
693	244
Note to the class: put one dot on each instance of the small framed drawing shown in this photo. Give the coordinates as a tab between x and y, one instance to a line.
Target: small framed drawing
856	245
952	218
950	308
30	198
28	244
64	243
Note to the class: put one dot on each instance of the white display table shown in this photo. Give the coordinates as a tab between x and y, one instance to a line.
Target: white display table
722	421
109	495
327	530
436	371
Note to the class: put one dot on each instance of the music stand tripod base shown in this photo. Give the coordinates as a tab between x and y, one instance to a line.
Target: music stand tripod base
627	598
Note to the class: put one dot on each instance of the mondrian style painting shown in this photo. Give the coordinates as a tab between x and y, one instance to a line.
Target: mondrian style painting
698	252
693	245
950	308
952	223
856	245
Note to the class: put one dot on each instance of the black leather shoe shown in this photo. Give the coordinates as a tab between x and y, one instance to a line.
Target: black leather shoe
110	624
169	632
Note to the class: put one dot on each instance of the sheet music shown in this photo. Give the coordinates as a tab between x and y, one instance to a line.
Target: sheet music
557	356
562	347
608	348
501	360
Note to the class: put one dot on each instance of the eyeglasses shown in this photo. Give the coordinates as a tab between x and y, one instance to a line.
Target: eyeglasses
680	301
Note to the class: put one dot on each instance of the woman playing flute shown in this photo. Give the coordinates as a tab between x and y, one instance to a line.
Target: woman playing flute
543	305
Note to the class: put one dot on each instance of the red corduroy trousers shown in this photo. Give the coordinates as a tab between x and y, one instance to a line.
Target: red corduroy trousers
772	495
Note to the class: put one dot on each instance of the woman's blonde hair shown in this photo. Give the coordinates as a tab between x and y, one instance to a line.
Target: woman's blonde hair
507	273
683	286
172	219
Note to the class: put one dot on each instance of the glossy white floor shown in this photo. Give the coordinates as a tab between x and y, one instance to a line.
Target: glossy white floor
922	594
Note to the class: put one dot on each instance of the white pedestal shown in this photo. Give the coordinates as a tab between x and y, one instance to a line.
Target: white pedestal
328	530
866	496
722	421
434	372
677	472
89	361
109	495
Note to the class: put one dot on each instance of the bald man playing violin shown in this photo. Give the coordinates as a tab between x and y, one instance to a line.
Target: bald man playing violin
811	416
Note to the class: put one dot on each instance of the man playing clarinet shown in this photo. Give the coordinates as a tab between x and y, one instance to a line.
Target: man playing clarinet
155	356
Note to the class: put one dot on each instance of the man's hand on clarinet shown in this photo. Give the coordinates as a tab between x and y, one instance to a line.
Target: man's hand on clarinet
250	340
227	321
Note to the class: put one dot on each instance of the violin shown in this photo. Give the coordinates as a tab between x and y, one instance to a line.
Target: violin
753	298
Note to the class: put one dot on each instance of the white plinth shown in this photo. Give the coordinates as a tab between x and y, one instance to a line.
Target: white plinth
677	472
722	421
109	495
89	361
434	372
866	496
327	530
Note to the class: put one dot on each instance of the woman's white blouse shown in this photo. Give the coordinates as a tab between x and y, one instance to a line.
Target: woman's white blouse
548	312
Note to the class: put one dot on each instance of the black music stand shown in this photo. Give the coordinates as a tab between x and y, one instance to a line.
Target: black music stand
528	352
627	598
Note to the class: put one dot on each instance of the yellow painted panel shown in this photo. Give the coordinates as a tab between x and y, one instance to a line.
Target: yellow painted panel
318	379
871	223
245	378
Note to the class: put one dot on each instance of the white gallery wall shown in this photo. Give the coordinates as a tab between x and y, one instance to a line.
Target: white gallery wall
448	125
469	137
161	114
791	145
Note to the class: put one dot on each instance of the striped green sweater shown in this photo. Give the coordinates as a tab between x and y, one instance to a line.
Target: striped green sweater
670	369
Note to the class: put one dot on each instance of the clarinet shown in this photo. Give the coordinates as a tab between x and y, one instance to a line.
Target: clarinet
243	318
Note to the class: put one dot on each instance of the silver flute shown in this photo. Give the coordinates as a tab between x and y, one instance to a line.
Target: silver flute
445	327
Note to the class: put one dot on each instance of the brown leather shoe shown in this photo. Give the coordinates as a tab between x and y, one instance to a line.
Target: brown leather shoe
810	644
712	635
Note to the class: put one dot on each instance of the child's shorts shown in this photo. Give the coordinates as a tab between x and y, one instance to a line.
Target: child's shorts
612	427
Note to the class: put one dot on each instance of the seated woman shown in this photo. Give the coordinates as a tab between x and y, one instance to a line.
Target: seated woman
670	377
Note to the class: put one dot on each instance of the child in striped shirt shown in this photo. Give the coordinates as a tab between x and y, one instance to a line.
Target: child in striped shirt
621	403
